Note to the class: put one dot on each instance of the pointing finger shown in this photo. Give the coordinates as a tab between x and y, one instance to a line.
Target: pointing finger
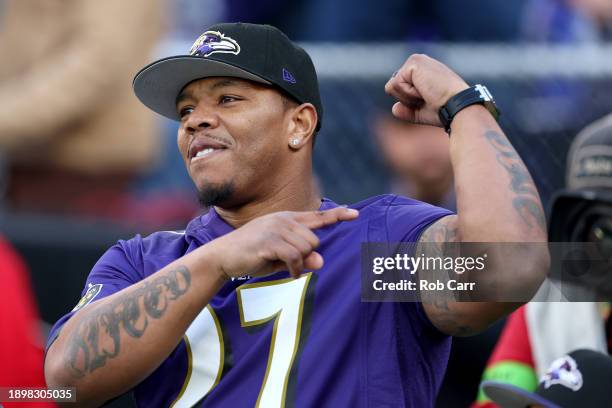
319	219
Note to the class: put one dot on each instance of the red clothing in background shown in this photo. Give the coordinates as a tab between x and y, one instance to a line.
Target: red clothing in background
21	347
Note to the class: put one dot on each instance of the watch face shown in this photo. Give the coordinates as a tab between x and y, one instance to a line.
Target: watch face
484	93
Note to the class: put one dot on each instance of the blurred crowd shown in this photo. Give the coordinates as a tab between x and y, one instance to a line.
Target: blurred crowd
75	144
74	140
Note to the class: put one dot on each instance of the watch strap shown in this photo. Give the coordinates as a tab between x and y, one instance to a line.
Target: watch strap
477	94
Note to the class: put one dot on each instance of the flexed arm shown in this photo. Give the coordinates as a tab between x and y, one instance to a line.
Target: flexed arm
497	200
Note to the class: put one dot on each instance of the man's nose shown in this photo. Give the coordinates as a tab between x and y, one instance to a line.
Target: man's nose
201	118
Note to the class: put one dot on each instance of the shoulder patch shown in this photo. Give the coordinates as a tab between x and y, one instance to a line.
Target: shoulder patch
91	294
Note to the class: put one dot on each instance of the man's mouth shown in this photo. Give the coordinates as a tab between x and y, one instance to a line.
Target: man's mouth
205	152
204	147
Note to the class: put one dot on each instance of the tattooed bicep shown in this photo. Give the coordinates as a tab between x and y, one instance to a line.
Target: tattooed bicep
443	230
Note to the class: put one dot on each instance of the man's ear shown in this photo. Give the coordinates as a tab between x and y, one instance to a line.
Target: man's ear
302	124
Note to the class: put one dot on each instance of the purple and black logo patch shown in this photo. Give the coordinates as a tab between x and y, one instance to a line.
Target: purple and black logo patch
213	41
563	371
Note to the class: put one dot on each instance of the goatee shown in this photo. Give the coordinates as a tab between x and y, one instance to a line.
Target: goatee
215	194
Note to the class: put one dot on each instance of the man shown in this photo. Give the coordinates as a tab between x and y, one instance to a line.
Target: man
258	301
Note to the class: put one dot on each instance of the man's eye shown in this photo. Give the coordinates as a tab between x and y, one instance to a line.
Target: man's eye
227	99
185	111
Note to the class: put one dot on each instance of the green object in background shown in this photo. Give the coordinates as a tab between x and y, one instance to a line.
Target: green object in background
511	372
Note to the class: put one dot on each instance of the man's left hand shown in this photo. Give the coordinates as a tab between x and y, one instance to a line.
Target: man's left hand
422	86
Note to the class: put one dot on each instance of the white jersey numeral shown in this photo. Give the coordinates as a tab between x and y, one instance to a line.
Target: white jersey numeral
281	301
204	342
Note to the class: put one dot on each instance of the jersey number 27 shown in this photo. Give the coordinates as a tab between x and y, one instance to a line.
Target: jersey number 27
281	301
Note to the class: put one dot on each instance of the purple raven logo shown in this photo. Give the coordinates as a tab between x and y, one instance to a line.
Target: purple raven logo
213	41
563	371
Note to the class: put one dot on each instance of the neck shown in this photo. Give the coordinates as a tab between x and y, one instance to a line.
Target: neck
297	194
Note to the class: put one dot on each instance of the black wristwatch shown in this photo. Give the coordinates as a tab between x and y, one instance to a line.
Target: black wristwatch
477	94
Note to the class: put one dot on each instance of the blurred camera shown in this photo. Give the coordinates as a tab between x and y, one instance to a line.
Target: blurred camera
582	214
582	220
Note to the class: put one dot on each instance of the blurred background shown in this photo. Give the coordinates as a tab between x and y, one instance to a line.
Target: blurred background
83	164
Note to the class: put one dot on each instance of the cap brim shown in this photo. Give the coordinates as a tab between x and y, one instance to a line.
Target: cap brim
158	84
510	396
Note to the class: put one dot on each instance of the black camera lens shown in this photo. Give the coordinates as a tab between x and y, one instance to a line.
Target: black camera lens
591	224
600	232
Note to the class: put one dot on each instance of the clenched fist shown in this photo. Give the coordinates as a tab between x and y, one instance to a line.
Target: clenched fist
277	241
422	86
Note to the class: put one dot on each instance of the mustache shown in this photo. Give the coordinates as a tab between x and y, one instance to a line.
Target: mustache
202	134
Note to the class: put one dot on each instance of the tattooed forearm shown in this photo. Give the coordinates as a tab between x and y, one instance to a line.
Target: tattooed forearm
527	202
97	338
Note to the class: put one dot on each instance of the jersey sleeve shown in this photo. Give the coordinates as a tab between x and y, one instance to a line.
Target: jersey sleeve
407	218
118	268
511	361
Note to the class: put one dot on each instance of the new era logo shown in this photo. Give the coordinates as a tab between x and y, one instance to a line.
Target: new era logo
288	77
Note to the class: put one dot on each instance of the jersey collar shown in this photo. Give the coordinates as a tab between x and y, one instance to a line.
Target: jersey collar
210	225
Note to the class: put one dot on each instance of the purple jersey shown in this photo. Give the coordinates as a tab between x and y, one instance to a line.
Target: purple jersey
276	341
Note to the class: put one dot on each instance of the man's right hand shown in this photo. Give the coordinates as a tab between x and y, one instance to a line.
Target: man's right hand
277	241
99	352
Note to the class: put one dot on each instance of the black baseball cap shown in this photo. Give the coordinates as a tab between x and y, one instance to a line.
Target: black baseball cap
579	379
259	53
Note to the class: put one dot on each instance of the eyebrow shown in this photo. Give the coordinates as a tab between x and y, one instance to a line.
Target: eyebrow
183	96
219	84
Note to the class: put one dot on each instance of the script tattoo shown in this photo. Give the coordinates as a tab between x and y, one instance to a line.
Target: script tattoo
436	304
97	337
527	202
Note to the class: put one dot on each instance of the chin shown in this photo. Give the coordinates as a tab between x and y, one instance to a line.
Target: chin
216	194
208	179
